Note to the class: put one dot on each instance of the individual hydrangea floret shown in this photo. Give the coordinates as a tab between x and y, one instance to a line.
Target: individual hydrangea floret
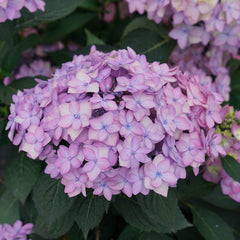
113	122
16	231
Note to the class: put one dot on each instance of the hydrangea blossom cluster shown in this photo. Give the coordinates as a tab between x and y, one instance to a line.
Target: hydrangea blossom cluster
196	21
209	66
17	231
113	122
36	68
230	131
10	9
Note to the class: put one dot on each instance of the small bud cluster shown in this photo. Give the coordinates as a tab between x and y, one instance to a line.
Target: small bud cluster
230	132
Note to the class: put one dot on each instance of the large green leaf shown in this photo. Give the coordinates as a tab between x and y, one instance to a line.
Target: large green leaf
153	46
92	39
189	234
54	9
6	93
210	225
57	228
9	208
154	236
131	211
21	175
163	211
129	233
193	187
90	212
232	167
217	198
50	199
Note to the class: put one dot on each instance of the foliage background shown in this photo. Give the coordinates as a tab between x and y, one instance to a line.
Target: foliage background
194	210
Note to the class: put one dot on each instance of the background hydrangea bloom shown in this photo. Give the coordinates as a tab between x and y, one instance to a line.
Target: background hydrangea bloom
10	9
16	231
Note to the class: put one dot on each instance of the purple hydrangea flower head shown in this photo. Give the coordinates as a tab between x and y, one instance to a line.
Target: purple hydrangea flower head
113	122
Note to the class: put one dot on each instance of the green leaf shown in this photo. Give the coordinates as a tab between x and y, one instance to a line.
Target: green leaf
232	167
90	212
92	39
23	83
154	47
129	233
193	187
57	228
154	236
50	199
6	93
144	23
210	225
89	4
217	198
21	175
66	26
133	214
189	234
54	9
9	208
163	211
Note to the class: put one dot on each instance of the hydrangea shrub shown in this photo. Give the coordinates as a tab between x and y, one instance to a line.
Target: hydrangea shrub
119	126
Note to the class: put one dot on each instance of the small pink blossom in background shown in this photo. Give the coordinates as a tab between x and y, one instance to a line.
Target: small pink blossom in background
113	122
16	231
10	9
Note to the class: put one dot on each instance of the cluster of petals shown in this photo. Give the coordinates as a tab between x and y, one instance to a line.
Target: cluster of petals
230	145
17	231
113	122
195	21
209	66
10	9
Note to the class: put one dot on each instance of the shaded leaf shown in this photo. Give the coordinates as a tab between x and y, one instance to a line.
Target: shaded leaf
92	39
217	198
21	175
154	236
163	211
57	228
131	211
54	9
210	225
50	199
232	167
9	208
90	212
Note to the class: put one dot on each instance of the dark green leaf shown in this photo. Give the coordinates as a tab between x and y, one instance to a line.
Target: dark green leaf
6	93
210	225
163	211
28	211
90	212
57	228
131	211
92	39
144	23
129	233
193	187
54	9
232	167
89	4
154	47
217	198
50	199
189	234
23	83
21	175
67	25
154	236
9	208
